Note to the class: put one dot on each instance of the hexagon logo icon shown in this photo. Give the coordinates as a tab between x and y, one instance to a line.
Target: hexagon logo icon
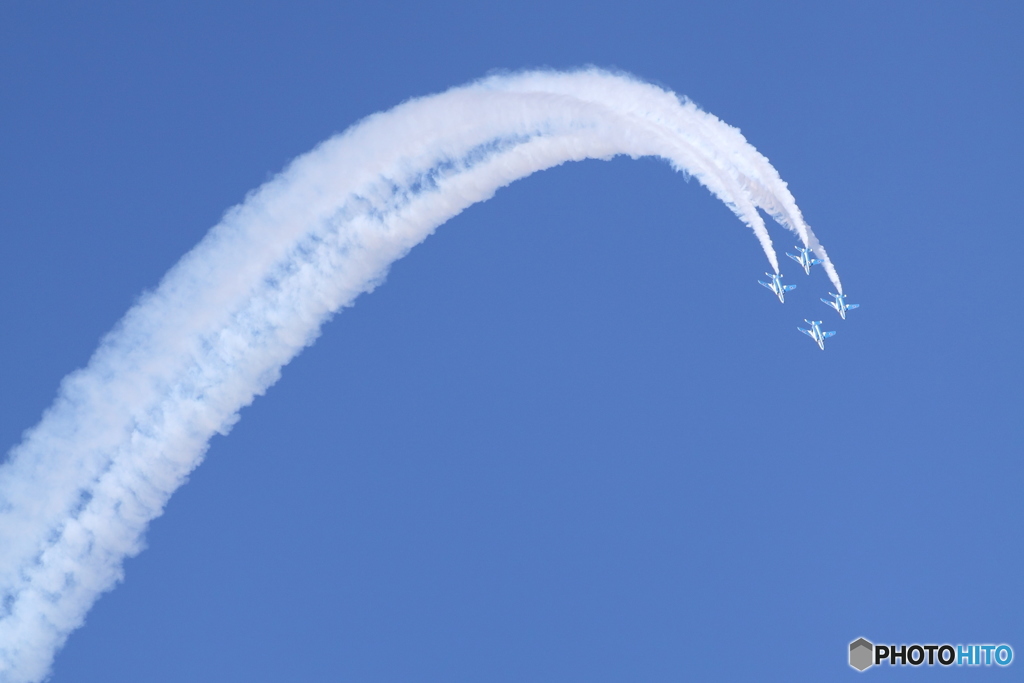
861	654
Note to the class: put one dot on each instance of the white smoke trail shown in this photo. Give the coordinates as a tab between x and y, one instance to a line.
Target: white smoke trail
124	433
643	103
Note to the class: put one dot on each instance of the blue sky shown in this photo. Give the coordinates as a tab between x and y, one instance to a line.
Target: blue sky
570	438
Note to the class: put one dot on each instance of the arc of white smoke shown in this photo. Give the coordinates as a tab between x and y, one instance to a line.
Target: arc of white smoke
636	99
123	433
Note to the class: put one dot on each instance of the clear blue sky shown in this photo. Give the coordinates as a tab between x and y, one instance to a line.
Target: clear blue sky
570	439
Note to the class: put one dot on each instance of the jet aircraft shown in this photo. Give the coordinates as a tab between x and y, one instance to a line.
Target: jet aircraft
840	304
776	286
804	259
816	333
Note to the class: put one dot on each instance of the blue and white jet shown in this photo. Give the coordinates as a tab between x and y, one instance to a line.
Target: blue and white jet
815	332
776	286
840	304
804	259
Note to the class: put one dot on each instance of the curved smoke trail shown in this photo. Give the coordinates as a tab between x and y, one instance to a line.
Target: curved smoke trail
123	434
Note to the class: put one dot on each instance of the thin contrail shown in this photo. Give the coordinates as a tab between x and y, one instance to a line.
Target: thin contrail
125	431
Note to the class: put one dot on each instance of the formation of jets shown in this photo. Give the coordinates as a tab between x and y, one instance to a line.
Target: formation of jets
838	300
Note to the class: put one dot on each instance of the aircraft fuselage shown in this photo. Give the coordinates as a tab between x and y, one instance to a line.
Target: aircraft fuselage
840	304
776	286
816	332
804	259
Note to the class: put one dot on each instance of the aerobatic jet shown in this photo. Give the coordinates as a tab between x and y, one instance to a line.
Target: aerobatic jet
840	304
804	259
815	332
777	286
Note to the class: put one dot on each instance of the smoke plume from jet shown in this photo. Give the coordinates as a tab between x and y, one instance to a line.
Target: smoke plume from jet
124	432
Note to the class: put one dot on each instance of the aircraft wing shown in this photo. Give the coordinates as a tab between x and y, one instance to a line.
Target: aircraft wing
795	258
807	332
765	284
830	303
788	288
850	307
826	335
816	261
